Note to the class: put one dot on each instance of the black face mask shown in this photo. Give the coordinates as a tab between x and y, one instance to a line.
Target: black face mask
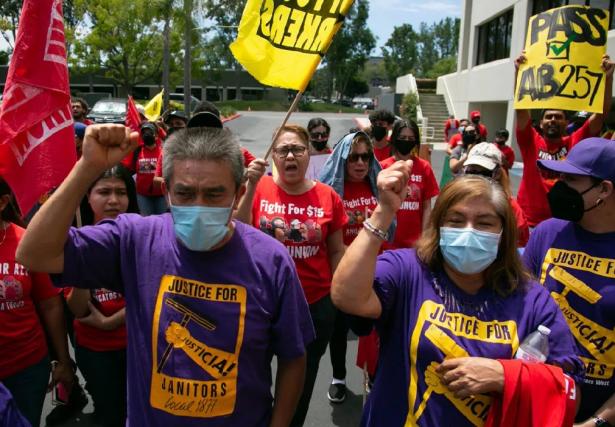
468	139
476	120
567	203
319	145
148	138
379	132
403	146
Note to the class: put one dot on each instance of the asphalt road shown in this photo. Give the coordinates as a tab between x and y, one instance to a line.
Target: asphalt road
255	130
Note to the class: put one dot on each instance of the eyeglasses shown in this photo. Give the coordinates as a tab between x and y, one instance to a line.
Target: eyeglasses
354	157
297	150
318	135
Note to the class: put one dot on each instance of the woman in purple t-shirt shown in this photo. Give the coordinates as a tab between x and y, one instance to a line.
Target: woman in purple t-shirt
448	309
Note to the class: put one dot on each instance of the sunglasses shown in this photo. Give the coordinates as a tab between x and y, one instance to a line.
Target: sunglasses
318	135
354	157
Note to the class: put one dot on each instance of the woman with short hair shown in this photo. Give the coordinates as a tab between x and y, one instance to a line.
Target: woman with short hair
447	309
308	217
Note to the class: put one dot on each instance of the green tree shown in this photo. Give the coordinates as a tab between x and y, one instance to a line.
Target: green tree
226	16
400	52
9	19
124	42
442	67
430	52
350	48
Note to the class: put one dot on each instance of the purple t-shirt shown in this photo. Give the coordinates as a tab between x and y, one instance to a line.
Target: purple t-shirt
578	268
9	413
202	326
425	319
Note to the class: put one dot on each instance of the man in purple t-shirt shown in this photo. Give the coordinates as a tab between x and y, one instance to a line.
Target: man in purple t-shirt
209	301
573	255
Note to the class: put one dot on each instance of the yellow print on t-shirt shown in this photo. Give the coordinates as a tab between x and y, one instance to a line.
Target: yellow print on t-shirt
188	315
432	323
599	341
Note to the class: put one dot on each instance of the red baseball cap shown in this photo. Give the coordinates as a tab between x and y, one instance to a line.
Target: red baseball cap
474	114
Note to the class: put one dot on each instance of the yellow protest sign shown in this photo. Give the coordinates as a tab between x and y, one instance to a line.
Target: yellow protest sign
564	48
154	107
281	42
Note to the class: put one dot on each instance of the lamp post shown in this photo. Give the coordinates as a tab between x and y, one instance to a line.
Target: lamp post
187	56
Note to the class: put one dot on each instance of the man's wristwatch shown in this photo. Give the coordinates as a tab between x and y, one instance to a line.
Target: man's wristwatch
601	422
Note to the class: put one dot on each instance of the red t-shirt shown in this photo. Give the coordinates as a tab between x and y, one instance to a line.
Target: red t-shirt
482	129
22	339
454	141
108	303
247	159
422	186
536	183
523	230
448	127
509	155
145	168
302	223
382	153
359	203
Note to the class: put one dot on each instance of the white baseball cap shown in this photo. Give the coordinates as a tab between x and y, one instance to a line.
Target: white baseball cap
485	154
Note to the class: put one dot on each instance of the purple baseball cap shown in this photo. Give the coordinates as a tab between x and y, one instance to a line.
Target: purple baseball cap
590	157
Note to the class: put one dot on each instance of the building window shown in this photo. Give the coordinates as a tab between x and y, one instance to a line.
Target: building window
494	38
542	5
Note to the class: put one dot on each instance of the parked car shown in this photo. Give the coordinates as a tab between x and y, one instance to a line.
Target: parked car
179	97
112	110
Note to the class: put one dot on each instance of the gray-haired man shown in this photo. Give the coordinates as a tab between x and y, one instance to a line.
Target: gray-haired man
209	301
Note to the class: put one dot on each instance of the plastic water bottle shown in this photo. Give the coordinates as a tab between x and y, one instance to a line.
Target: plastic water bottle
535	347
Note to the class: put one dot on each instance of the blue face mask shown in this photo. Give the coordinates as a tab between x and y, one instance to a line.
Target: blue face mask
467	250
200	228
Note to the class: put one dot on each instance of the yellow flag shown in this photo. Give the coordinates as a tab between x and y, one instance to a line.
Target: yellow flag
281	42
564	48
154	107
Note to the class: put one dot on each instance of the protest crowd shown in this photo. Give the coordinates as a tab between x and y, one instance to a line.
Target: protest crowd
170	265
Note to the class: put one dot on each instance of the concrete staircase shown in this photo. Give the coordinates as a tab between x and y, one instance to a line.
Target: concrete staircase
434	108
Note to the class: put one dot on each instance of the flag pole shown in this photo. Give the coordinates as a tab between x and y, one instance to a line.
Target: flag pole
292	108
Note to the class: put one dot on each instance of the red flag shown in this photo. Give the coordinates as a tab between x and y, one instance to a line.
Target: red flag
37	139
133	118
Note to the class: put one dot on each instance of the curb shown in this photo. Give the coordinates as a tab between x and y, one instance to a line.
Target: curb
233	117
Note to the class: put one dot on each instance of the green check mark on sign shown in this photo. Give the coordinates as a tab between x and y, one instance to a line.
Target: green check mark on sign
558	50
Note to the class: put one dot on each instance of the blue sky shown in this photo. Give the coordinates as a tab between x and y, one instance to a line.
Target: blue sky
386	14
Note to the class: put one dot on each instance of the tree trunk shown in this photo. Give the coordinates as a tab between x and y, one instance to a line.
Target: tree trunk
238	82
187	56
166	57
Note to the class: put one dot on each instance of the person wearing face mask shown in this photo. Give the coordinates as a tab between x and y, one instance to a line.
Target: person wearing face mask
486	159
381	122
142	162
316	219
573	256
351	171
437	307
175	120
508	155
319	131
551	144
482	129
209	301
99	325
469	138
413	215
456	139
